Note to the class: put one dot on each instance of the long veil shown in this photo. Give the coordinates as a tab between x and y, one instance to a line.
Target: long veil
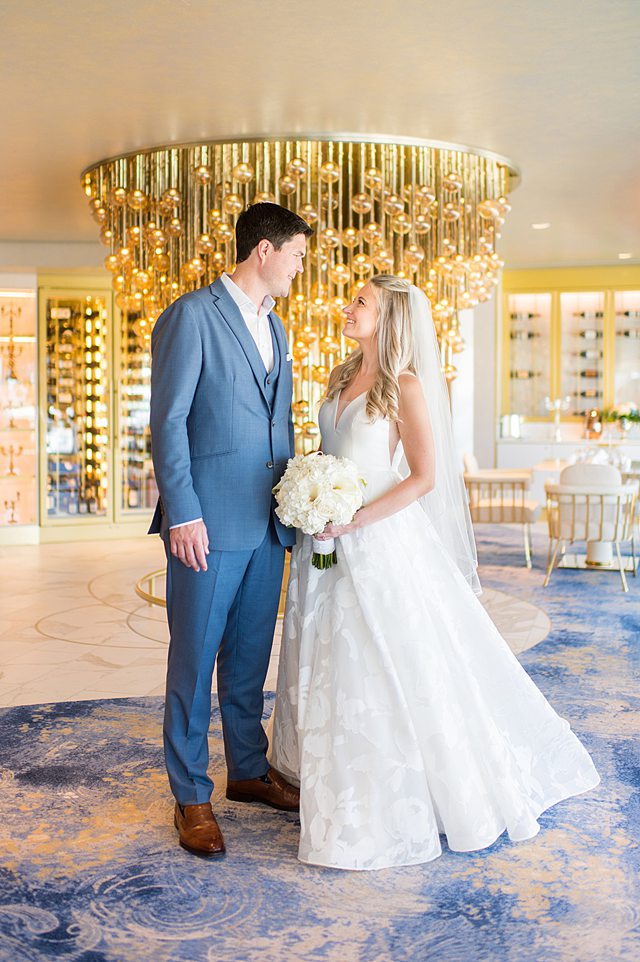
446	504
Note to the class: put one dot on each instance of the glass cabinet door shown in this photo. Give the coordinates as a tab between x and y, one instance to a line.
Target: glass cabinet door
77	404
529	353
18	369
627	348
581	351
138	488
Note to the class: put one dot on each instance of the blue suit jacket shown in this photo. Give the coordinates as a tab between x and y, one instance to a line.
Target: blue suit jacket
218	445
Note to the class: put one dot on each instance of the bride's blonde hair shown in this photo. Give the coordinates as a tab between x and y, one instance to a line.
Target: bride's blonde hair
396	353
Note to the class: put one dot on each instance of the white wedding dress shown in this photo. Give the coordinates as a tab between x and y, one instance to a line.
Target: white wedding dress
400	709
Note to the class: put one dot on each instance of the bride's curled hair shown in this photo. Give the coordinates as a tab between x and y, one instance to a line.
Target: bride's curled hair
396	351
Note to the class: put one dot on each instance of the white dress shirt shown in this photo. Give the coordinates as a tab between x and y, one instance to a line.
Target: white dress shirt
257	321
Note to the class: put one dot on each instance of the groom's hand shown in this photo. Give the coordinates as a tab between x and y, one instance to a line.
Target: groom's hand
190	545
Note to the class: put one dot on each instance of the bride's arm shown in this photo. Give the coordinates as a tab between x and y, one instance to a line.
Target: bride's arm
414	427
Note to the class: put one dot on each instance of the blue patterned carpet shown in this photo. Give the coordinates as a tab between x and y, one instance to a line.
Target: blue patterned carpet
91	872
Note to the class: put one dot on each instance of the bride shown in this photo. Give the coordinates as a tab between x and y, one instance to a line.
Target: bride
400	710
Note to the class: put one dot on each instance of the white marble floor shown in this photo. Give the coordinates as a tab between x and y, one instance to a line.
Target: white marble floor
73	628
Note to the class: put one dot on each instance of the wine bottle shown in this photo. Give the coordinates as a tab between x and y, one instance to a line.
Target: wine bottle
590	355
523	335
522	316
590	372
590	392
590	334
588	314
635	314
522	375
634	332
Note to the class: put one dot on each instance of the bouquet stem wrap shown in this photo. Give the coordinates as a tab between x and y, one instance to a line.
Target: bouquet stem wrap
324	553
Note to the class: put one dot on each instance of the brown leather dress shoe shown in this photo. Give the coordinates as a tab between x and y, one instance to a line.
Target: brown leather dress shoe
199	831
271	789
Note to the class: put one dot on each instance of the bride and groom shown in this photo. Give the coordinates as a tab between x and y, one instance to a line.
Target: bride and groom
401	714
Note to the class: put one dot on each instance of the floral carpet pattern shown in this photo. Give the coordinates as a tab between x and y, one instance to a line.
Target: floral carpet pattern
90	870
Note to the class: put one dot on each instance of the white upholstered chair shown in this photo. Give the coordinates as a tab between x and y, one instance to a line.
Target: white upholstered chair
590	504
502	497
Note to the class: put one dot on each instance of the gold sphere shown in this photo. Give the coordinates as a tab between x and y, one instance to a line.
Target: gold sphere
361	264
232	203
422	224
301	407
133	236
401	223
287	184
175	227
450	212
204	244
452	182
142	280
413	256
106	236
218	260
393	204
161	262
339	273
329	238
100	214
171	198
372	231
202	174
309	213
329	172
137	199
384	261
112	263
223	232
373	178
119	196
264	197
243	172
310	429
361	203
350	237
297	168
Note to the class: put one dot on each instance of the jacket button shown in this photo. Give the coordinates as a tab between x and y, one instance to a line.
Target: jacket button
273	424
269	464
268	380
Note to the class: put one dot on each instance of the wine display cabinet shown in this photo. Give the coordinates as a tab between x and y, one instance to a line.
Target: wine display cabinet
570	337
18	444
95	375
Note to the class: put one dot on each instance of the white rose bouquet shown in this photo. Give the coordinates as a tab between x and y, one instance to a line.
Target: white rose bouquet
316	490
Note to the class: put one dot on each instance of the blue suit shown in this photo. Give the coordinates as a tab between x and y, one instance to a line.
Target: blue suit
221	433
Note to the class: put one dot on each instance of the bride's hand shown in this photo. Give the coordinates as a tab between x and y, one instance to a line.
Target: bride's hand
338	530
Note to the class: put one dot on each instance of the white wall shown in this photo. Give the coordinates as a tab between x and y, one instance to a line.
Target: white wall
485	360
463	388
27	256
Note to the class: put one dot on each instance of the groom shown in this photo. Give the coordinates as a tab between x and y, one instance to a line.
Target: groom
222	433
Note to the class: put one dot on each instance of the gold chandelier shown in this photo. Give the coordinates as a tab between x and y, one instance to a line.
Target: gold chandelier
422	209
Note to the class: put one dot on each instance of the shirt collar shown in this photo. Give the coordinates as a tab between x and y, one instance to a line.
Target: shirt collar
243	301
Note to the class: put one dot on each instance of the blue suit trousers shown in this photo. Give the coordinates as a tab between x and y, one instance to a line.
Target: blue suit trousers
228	612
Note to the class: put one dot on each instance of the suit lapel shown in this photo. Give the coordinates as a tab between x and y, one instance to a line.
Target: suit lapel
281	346
230	312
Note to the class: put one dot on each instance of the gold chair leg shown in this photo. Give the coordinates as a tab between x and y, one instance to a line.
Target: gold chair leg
633	557
551	563
625	586
527	545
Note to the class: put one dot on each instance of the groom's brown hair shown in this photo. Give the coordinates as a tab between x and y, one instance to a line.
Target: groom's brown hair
267	222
